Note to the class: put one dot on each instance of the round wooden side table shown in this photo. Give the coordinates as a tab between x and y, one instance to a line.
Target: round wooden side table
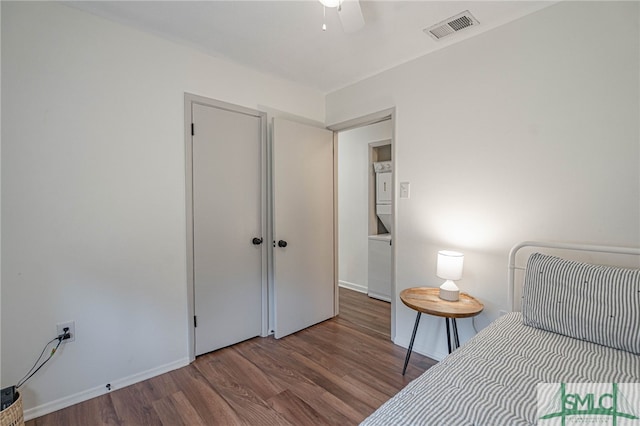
426	300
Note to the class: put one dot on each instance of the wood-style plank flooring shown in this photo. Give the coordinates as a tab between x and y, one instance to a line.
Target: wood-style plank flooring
334	373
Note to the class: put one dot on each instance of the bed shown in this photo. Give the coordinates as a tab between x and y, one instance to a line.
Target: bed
555	335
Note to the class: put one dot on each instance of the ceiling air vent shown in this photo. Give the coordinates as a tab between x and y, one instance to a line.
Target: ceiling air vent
452	25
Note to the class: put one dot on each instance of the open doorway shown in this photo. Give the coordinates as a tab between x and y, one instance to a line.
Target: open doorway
365	177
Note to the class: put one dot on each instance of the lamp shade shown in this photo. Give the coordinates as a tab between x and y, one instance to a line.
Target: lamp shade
450	265
331	3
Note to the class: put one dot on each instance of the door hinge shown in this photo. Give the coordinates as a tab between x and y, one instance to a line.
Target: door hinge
195	321
192	129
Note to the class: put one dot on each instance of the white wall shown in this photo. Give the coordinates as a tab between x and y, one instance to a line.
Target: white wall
353	201
93	194
528	131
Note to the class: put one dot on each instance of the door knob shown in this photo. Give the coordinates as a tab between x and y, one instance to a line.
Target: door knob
282	243
257	241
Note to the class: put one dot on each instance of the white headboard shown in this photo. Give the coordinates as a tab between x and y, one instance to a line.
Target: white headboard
604	255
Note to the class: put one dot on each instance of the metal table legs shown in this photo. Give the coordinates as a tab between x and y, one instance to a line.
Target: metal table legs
455	341
413	337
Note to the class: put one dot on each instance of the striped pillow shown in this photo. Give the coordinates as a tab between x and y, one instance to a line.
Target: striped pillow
600	304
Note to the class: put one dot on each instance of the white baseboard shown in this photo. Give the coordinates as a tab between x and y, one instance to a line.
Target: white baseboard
379	296
67	401
417	348
353	286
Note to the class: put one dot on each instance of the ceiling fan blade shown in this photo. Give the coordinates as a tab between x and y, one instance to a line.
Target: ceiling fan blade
351	16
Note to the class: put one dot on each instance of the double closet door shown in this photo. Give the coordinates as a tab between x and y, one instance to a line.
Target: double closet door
231	238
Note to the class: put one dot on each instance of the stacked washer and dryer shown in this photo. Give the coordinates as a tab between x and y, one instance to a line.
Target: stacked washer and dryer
379	285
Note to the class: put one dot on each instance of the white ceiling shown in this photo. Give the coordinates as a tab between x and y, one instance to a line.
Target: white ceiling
285	38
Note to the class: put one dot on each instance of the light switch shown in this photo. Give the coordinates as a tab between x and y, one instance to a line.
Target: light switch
405	190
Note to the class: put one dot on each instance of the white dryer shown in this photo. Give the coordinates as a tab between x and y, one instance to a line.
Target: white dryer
384	182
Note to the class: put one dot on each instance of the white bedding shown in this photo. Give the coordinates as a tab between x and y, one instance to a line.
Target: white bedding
493	378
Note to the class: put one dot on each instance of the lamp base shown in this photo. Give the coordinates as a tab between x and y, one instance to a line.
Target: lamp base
449	295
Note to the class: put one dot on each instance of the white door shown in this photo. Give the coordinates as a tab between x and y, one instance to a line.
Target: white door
304	280
227	270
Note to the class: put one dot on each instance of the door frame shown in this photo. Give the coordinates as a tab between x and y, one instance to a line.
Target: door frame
387	114
189	100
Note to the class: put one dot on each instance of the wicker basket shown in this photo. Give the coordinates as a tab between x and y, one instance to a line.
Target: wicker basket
13	416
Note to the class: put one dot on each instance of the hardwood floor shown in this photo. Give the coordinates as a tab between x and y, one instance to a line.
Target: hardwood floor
334	373
372	314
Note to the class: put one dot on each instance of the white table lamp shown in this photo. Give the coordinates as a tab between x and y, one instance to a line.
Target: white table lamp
331	3
449	268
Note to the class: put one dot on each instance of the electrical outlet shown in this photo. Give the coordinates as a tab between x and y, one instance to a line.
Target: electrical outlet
72	330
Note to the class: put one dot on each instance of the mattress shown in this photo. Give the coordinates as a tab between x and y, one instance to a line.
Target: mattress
492	379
